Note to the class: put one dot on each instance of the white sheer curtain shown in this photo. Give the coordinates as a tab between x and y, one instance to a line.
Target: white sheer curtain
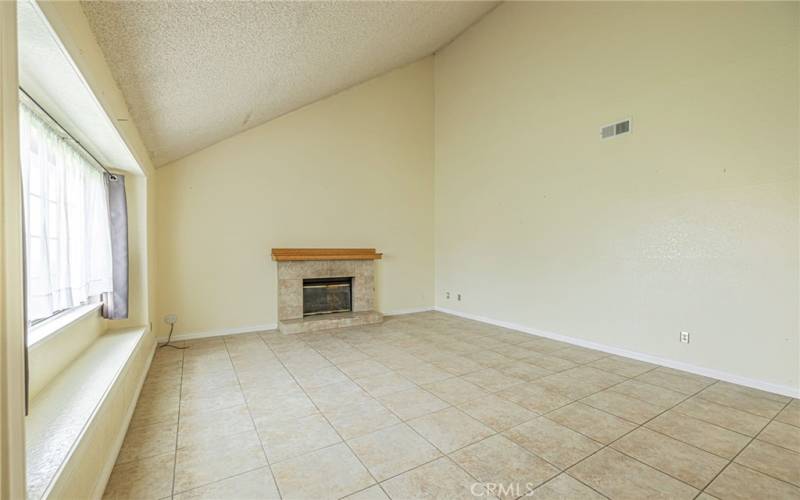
66	221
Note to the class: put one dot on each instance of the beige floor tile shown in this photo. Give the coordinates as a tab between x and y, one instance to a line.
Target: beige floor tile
772	460
491	379
496	412
487	358
709	437
622	366
631	409
457	365
555	443
412	403
598	425
618	476
784	435
551	363
281	406
723	416
361	418
371	493
330	397
197	465
680	460
534	397
391	451
564	487
156	410
658	396
791	414
318	377
545	345
294	437
146	478
523	371
579	355
215	399
506	469
455	390
148	441
741	400
362	368
675	380
254	485
439	480
740	483
386	383
424	374
570	387
198	428
450	429
329	473
203	382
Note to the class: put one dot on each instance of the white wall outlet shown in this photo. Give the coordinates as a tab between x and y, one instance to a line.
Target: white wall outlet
170	319
447	295
459	297
685	337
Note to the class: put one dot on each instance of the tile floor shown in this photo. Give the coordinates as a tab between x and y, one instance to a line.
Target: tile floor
433	406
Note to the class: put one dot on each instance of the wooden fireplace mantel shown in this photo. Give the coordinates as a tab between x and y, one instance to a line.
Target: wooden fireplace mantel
284	254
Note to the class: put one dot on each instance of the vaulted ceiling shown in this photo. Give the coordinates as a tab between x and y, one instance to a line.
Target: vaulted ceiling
194	73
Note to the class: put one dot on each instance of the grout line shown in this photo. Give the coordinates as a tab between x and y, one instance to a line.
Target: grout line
252	420
178	424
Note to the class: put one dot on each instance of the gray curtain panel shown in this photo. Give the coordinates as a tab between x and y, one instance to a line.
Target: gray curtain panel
115	304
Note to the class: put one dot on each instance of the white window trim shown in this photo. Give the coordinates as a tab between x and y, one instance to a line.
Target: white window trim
49	327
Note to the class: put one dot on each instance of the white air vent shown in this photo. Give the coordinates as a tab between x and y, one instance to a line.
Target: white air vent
615	129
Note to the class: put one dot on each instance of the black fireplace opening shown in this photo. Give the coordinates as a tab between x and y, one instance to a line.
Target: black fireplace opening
327	295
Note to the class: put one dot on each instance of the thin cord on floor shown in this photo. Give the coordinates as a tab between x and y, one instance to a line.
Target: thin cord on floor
167	343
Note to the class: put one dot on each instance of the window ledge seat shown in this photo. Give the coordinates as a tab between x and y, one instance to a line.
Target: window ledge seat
74	407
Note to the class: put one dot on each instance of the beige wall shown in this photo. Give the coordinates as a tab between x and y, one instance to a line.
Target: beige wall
689	223
352	170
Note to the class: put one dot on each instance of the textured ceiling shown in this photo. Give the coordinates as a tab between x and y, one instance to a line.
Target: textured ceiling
194	73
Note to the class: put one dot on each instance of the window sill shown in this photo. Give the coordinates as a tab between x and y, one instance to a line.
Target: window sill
42	331
67	410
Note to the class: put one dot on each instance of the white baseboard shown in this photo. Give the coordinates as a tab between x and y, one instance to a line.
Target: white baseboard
411	310
108	467
783	390
219	333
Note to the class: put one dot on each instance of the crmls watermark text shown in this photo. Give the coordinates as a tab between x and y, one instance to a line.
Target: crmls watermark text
513	490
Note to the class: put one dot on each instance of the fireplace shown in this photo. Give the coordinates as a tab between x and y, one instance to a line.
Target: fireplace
324	288
327	295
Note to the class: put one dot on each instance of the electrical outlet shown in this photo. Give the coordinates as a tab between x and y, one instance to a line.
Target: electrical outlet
447	295
685	337
459	297
170	319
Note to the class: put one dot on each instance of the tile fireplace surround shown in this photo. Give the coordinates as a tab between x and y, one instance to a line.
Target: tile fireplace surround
295	265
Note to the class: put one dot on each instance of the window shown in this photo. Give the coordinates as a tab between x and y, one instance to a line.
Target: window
67	235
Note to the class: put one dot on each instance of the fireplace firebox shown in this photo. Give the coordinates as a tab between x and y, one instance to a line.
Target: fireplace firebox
327	295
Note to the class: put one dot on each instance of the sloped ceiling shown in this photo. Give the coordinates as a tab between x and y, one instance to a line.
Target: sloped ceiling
194	73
